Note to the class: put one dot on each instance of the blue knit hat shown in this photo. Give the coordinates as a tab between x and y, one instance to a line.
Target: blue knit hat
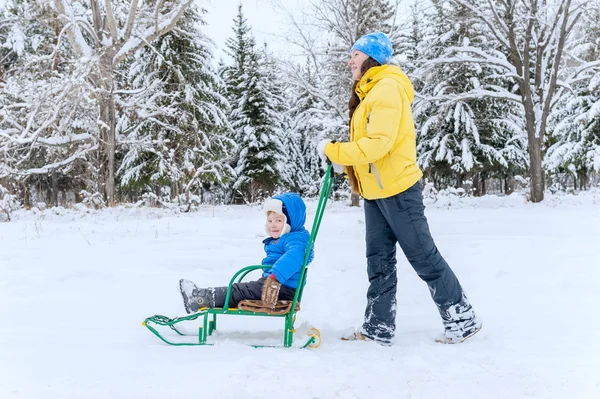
376	45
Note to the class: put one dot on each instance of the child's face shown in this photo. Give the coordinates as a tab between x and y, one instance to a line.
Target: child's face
275	224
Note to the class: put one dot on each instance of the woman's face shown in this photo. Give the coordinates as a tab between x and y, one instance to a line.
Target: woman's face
356	60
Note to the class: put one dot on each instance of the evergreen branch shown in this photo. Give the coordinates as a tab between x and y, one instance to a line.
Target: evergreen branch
483	57
51	141
473	95
56	165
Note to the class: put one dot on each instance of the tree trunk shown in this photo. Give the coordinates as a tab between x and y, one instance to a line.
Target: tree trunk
107	147
508	185
354	200
476	191
537	172
54	198
483	189
106	152
26	194
583	180
536	185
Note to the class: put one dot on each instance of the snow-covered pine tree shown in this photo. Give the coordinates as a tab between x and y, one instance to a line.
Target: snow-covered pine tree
574	150
275	88
301	172
252	117
462	137
173	123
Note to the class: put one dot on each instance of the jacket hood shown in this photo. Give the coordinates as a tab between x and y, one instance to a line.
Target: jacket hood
376	74
295	208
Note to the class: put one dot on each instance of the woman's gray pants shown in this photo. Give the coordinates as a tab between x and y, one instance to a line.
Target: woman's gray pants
401	219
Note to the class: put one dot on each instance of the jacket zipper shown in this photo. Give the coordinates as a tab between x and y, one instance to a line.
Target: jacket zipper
371	166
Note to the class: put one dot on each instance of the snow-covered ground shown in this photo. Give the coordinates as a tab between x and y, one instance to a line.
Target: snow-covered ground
75	286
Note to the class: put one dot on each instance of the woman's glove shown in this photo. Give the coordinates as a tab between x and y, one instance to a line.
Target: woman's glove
270	291
321	149
339	169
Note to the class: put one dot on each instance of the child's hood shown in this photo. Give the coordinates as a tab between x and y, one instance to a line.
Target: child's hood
296	210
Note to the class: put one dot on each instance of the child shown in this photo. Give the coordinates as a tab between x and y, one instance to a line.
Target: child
285	249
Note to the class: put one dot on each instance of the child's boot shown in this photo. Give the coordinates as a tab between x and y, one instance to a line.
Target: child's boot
194	298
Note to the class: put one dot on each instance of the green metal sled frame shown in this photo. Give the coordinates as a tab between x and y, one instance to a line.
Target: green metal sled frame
209	324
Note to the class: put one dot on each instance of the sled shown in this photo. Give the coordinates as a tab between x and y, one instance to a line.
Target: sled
284	309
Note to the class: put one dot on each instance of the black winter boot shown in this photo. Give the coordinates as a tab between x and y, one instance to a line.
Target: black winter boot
194	298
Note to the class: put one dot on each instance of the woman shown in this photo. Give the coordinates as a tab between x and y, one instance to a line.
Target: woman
380	161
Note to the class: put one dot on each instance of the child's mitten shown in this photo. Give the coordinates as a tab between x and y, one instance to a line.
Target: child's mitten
270	291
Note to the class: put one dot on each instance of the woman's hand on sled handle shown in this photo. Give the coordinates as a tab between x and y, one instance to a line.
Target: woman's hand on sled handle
339	169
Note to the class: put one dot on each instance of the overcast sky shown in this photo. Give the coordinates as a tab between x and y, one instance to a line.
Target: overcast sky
265	18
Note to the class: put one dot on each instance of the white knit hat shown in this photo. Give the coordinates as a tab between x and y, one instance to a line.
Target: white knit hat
275	205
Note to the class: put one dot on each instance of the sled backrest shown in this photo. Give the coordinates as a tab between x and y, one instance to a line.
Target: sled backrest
325	191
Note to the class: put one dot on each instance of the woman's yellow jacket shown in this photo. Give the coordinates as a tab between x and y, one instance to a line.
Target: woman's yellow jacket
382	147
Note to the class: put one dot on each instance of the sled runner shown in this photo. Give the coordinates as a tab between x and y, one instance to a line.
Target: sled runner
284	309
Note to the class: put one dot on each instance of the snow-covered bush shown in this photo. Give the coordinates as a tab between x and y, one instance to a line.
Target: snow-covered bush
92	200
150	199
8	204
188	203
429	191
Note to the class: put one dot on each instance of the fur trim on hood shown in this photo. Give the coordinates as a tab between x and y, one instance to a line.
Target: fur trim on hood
276	205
